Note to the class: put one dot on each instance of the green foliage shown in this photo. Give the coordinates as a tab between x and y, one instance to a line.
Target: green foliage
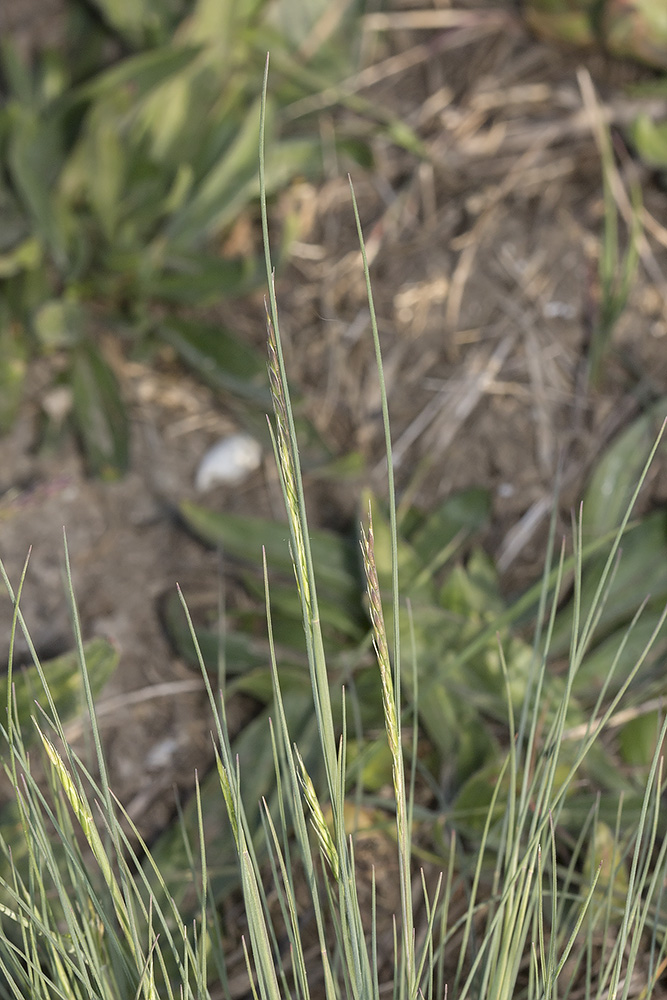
119	182
64	683
12	372
454	618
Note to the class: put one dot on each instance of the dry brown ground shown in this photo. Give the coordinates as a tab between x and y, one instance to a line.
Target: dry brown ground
484	266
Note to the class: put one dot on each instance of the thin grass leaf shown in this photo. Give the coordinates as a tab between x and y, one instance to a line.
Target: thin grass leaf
295	801
286	450
395	723
324	838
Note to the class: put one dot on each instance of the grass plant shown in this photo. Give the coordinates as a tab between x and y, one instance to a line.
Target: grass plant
527	905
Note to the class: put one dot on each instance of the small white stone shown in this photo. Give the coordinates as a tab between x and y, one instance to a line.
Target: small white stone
559	310
229	461
161	754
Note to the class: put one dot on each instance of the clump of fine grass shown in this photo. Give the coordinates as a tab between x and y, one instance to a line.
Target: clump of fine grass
89	914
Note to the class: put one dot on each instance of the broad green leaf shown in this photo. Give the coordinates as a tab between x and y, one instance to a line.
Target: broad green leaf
616	474
595	667
99	413
233	182
64	679
650	141
112	174
199	279
34	157
413	583
59	324
638	737
243	537
13	364
164	120
473	589
225	23
15	228
29	289
606	854
216	83
138	21
295	19
455	520
236	169
642	571
358	150
107	165
454	728
25	256
257	683
473	801
16	74
345	616
241	652
219	357
577	809
341	468
140	73
371	763
227	363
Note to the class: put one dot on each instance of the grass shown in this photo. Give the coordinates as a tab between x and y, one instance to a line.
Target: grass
529	902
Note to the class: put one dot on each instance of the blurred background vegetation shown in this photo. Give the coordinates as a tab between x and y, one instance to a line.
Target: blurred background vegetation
129	151
127	155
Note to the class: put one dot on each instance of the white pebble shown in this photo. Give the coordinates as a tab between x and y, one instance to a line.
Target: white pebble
559	310
229	461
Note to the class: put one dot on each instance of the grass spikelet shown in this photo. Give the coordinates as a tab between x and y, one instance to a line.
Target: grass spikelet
84	816
382	651
226	789
393	730
287	460
318	822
